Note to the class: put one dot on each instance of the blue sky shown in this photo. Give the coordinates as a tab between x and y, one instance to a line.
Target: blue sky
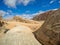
26	8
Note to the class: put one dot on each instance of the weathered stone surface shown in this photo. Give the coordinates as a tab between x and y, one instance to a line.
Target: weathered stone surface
19	35
49	33
1	18
44	16
1	23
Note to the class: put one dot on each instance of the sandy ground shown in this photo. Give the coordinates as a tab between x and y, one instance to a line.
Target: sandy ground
33	27
19	35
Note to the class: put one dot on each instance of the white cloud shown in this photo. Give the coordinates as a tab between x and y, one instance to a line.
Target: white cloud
52	9
52	1
13	3
24	2
2	13
10	3
55	9
6	15
58	1
27	16
30	16
9	14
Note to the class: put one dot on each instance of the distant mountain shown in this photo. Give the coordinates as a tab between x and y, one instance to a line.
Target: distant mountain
20	19
44	16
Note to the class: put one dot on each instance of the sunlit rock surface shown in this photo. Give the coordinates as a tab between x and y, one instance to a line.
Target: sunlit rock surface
19	35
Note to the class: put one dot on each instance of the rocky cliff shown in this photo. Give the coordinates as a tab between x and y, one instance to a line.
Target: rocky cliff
49	33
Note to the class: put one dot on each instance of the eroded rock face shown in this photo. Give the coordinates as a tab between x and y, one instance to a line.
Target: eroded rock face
1	23
20	19
1	18
43	16
49	33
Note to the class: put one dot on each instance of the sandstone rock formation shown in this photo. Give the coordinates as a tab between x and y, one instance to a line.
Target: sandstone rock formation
20	19
49	33
1	18
1	23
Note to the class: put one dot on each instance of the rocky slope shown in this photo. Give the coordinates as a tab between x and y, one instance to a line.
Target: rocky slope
49	33
1	18
44	16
